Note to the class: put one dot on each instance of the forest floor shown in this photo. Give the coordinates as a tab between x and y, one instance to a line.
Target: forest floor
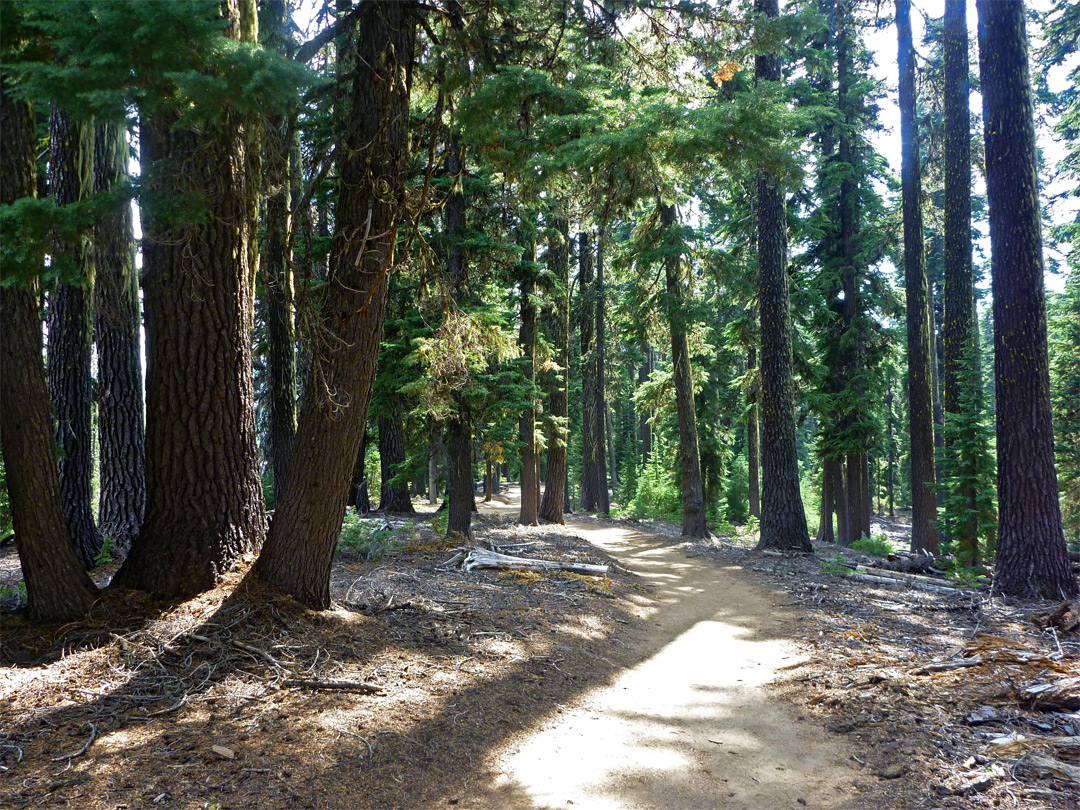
696	674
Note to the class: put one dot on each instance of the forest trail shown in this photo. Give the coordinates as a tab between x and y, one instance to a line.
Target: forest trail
690	726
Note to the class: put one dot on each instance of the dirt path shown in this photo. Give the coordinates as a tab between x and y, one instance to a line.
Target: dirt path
692	725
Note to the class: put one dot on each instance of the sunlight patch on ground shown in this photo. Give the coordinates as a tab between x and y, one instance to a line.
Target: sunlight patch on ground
653	724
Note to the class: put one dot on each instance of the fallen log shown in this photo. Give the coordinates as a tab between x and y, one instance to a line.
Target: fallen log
1053	768
476	558
1060	695
909	581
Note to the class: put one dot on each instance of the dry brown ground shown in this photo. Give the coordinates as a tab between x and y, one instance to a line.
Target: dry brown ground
224	701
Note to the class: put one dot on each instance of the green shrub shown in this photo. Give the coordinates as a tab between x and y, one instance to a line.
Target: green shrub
13	593
365	538
876	546
658	491
838	566
737	491
107	553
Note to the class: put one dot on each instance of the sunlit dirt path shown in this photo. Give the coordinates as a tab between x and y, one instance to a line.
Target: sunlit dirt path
692	725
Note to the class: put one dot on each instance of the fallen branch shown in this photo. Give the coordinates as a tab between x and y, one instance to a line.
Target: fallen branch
84	749
945	666
350	686
481	558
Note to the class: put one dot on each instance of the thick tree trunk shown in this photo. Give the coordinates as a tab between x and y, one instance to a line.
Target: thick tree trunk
204	501
853	484
530	473
375	63
825	525
1032	559
753	446
459	494
845	530
600	407
121	434
958	330
393	497
924	536
57	587
71	319
277	265
693	495
590	443
783	519
460	490
552	505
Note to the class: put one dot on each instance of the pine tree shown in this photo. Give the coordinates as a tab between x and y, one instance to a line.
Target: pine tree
121	433
204	506
1031	553
71	329
57	587
277	261
555	495
693	496
924	536
372	164
783	520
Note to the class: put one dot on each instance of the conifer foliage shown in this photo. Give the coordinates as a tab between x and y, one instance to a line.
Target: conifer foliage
630	257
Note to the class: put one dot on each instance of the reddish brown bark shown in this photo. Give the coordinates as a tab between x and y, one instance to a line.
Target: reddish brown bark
57	587
1032	559
204	506
372	167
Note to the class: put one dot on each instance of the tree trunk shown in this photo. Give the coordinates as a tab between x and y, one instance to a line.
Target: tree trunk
600	407
277	263
433	470
844	528
783	519
612	461
644	425
57	587
460	491
693	496
890	432
121	434
924	536
555	495
71	178
1032	559
459	431
530	473
825	525
375	66
393	497
590	445
853	484
204	501
359	498
753	447
958	330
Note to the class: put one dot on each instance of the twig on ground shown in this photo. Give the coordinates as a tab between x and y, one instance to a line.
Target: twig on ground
84	749
351	686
